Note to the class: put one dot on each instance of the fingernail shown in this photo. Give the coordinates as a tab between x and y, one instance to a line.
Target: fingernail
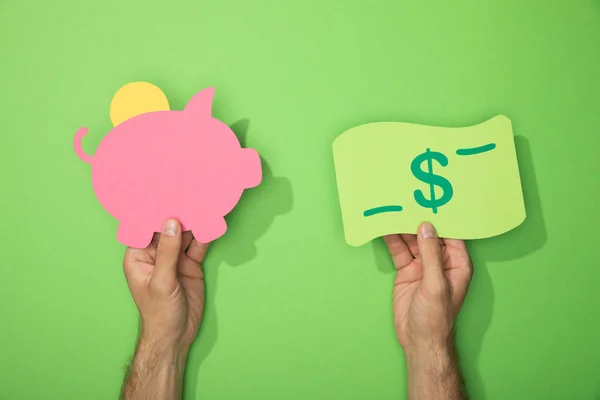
170	228
427	231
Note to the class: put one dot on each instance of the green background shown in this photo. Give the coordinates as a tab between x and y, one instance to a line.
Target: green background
293	312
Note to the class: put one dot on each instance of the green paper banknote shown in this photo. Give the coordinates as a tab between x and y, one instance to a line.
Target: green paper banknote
391	176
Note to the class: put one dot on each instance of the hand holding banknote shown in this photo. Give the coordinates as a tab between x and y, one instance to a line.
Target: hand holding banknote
432	279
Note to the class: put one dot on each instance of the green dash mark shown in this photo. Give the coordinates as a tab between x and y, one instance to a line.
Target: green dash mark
476	150
382	209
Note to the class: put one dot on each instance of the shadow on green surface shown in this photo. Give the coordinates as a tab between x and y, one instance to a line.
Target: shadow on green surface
530	236
476	315
525	239
247	223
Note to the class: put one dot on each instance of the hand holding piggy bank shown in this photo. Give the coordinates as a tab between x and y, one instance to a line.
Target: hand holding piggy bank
171	164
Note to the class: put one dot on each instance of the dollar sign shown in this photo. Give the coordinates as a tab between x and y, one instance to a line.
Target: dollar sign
433	180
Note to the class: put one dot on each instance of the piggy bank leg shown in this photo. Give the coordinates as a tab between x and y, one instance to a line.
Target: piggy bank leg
209	229
134	234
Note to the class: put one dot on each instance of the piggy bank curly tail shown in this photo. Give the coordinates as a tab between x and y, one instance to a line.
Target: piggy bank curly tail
77	144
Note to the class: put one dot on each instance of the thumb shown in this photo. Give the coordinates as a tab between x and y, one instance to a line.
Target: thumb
431	253
167	255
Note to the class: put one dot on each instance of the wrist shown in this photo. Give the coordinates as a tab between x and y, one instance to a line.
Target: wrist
438	343
436	355
433	373
161	336
156	371
166	351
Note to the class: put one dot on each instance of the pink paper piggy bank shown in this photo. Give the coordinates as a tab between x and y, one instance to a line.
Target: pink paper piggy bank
171	164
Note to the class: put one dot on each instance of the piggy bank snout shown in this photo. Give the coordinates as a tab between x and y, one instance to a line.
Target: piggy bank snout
249	168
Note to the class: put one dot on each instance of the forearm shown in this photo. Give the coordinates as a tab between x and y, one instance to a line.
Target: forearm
433	373
156	372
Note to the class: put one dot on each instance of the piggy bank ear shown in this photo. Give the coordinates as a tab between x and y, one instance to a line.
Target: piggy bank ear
201	102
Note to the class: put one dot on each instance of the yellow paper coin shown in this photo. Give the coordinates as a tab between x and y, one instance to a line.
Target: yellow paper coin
136	98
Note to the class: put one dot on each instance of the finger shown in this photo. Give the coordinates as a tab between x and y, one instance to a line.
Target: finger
456	244
459	259
411	242
137	265
167	254
186	240
458	252
459	280
399	251
197	251
431	253
155	239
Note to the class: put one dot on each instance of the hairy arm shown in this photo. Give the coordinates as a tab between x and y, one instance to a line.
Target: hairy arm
433	276
433	374
167	285
156	372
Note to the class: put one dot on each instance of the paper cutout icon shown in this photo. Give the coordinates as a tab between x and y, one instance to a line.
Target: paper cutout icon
168	164
136	98
392	176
